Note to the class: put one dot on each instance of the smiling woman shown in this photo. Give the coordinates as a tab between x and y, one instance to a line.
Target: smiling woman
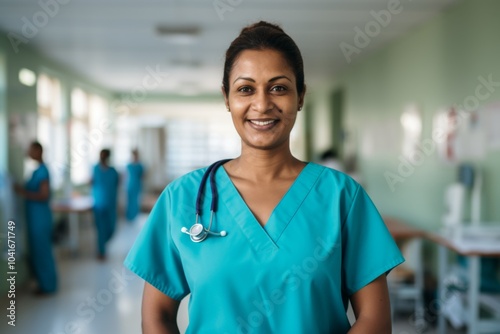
299	240
263	99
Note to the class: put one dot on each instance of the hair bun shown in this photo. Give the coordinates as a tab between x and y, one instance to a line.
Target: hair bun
262	24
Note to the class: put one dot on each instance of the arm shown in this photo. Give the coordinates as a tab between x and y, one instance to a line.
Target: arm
42	195
159	312
371	307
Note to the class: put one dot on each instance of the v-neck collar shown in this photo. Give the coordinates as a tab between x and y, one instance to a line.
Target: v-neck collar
265	238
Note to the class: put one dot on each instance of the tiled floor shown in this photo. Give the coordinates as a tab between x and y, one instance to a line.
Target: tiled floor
97	297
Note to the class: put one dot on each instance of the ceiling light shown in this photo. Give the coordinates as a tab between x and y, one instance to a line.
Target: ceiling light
27	77
178	34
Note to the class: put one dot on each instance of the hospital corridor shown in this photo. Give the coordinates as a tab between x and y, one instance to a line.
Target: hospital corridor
249	167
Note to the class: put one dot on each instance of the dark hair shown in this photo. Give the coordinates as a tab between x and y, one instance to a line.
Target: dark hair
37	145
106	152
260	36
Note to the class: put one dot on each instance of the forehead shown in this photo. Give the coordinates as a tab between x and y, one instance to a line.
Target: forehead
261	64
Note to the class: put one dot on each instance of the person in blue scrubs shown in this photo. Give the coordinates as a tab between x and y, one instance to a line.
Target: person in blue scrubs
135	174
301	240
105	182
36	192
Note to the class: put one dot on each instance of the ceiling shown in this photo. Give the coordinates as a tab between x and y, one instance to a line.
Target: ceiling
114	42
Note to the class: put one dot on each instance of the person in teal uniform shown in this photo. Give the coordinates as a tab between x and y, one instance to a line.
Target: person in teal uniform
272	244
36	192
105	180
135	174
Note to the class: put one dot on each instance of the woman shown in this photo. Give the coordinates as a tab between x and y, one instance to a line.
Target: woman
39	221
104	182
302	240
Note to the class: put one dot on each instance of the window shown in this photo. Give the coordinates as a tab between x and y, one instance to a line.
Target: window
89	133
80	146
51	131
194	144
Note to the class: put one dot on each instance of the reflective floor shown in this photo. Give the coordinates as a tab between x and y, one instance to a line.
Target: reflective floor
102	297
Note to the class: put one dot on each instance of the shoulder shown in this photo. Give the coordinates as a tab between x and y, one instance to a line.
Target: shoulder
43	171
181	190
335	178
334	186
190	181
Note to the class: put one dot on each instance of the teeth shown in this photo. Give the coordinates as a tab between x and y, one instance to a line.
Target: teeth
262	123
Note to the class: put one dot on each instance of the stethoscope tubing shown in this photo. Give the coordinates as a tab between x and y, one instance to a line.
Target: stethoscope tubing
198	232
209	173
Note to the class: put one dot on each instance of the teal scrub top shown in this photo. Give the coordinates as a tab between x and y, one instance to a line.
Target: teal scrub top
40	175
105	186
38	211
135	170
323	242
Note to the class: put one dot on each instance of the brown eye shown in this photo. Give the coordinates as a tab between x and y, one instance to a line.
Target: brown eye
278	89
245	89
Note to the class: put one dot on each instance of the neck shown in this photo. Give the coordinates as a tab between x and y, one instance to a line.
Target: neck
262	165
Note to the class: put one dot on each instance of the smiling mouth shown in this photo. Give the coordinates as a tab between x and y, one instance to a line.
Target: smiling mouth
263	123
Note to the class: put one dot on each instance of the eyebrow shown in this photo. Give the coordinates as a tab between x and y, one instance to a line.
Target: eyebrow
270	80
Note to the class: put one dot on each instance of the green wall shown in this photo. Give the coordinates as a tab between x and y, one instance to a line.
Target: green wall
435	66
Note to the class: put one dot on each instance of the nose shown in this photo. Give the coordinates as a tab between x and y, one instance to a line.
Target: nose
262	102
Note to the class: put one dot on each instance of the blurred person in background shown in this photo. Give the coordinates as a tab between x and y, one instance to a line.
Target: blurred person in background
135	174
104	182
36	193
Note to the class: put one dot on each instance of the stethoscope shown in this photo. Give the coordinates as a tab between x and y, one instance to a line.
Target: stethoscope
198	232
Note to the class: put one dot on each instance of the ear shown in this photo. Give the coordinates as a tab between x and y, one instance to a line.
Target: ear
301	97
226	100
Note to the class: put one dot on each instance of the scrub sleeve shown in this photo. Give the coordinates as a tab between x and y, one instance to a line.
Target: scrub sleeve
154	256
368	249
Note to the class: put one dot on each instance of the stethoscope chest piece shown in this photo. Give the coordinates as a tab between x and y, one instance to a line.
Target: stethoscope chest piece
197	233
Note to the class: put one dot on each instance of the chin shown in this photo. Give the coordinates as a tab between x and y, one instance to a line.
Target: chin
267	146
